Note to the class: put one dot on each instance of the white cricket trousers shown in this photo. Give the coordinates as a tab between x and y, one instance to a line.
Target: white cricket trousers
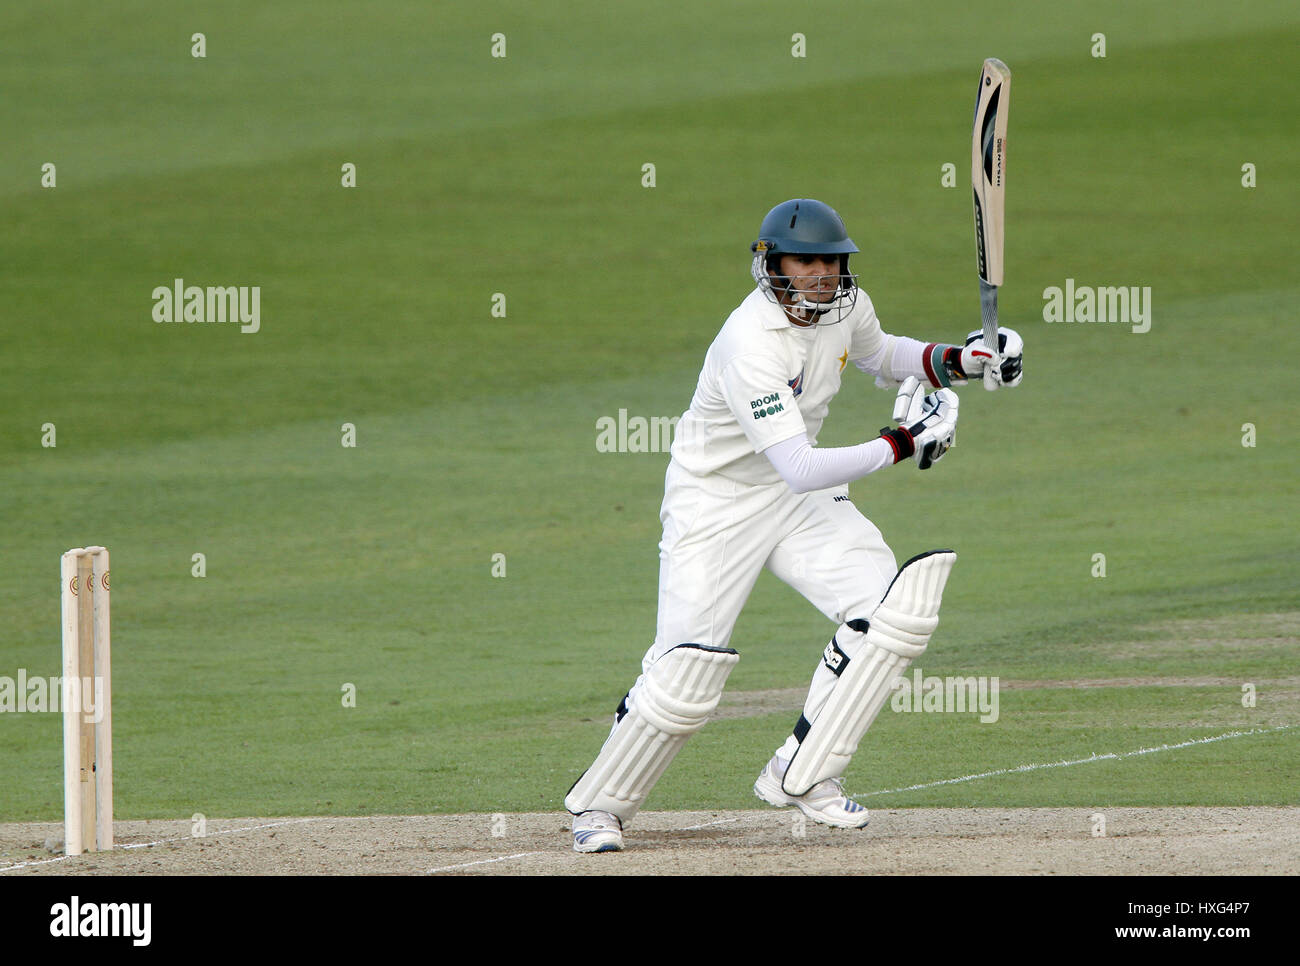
718	536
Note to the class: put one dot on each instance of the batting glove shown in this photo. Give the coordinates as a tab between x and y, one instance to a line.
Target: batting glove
929	424
1008	367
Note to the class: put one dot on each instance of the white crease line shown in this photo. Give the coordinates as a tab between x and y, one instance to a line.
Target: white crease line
721	821
1110	756
224	831
182	838
23	865
466	865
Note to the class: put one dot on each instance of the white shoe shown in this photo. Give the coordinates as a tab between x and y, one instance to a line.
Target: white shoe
597	832
825	802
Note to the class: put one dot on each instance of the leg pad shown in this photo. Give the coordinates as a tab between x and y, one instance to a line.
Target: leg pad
670	703
897	633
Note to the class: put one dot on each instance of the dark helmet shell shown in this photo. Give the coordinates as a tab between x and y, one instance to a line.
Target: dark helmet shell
803	226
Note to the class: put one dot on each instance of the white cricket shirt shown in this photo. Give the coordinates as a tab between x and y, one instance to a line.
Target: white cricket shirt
764	381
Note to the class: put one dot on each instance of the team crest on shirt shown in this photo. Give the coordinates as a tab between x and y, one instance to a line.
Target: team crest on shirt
796	384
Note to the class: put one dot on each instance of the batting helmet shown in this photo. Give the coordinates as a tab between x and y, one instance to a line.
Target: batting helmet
803	226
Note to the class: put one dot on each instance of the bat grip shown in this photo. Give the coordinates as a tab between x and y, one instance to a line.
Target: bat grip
989	314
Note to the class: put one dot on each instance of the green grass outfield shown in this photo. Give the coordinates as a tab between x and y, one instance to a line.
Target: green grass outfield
372	565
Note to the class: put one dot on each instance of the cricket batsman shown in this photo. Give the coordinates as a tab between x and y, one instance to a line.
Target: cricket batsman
747	487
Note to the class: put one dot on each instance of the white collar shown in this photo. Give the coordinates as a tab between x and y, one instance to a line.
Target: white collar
772	316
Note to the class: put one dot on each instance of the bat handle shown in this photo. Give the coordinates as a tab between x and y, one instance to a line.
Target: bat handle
989	315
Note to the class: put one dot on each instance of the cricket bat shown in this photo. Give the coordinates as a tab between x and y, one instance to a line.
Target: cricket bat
988	178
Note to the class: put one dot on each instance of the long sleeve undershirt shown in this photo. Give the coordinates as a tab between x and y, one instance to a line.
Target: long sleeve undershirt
805	467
